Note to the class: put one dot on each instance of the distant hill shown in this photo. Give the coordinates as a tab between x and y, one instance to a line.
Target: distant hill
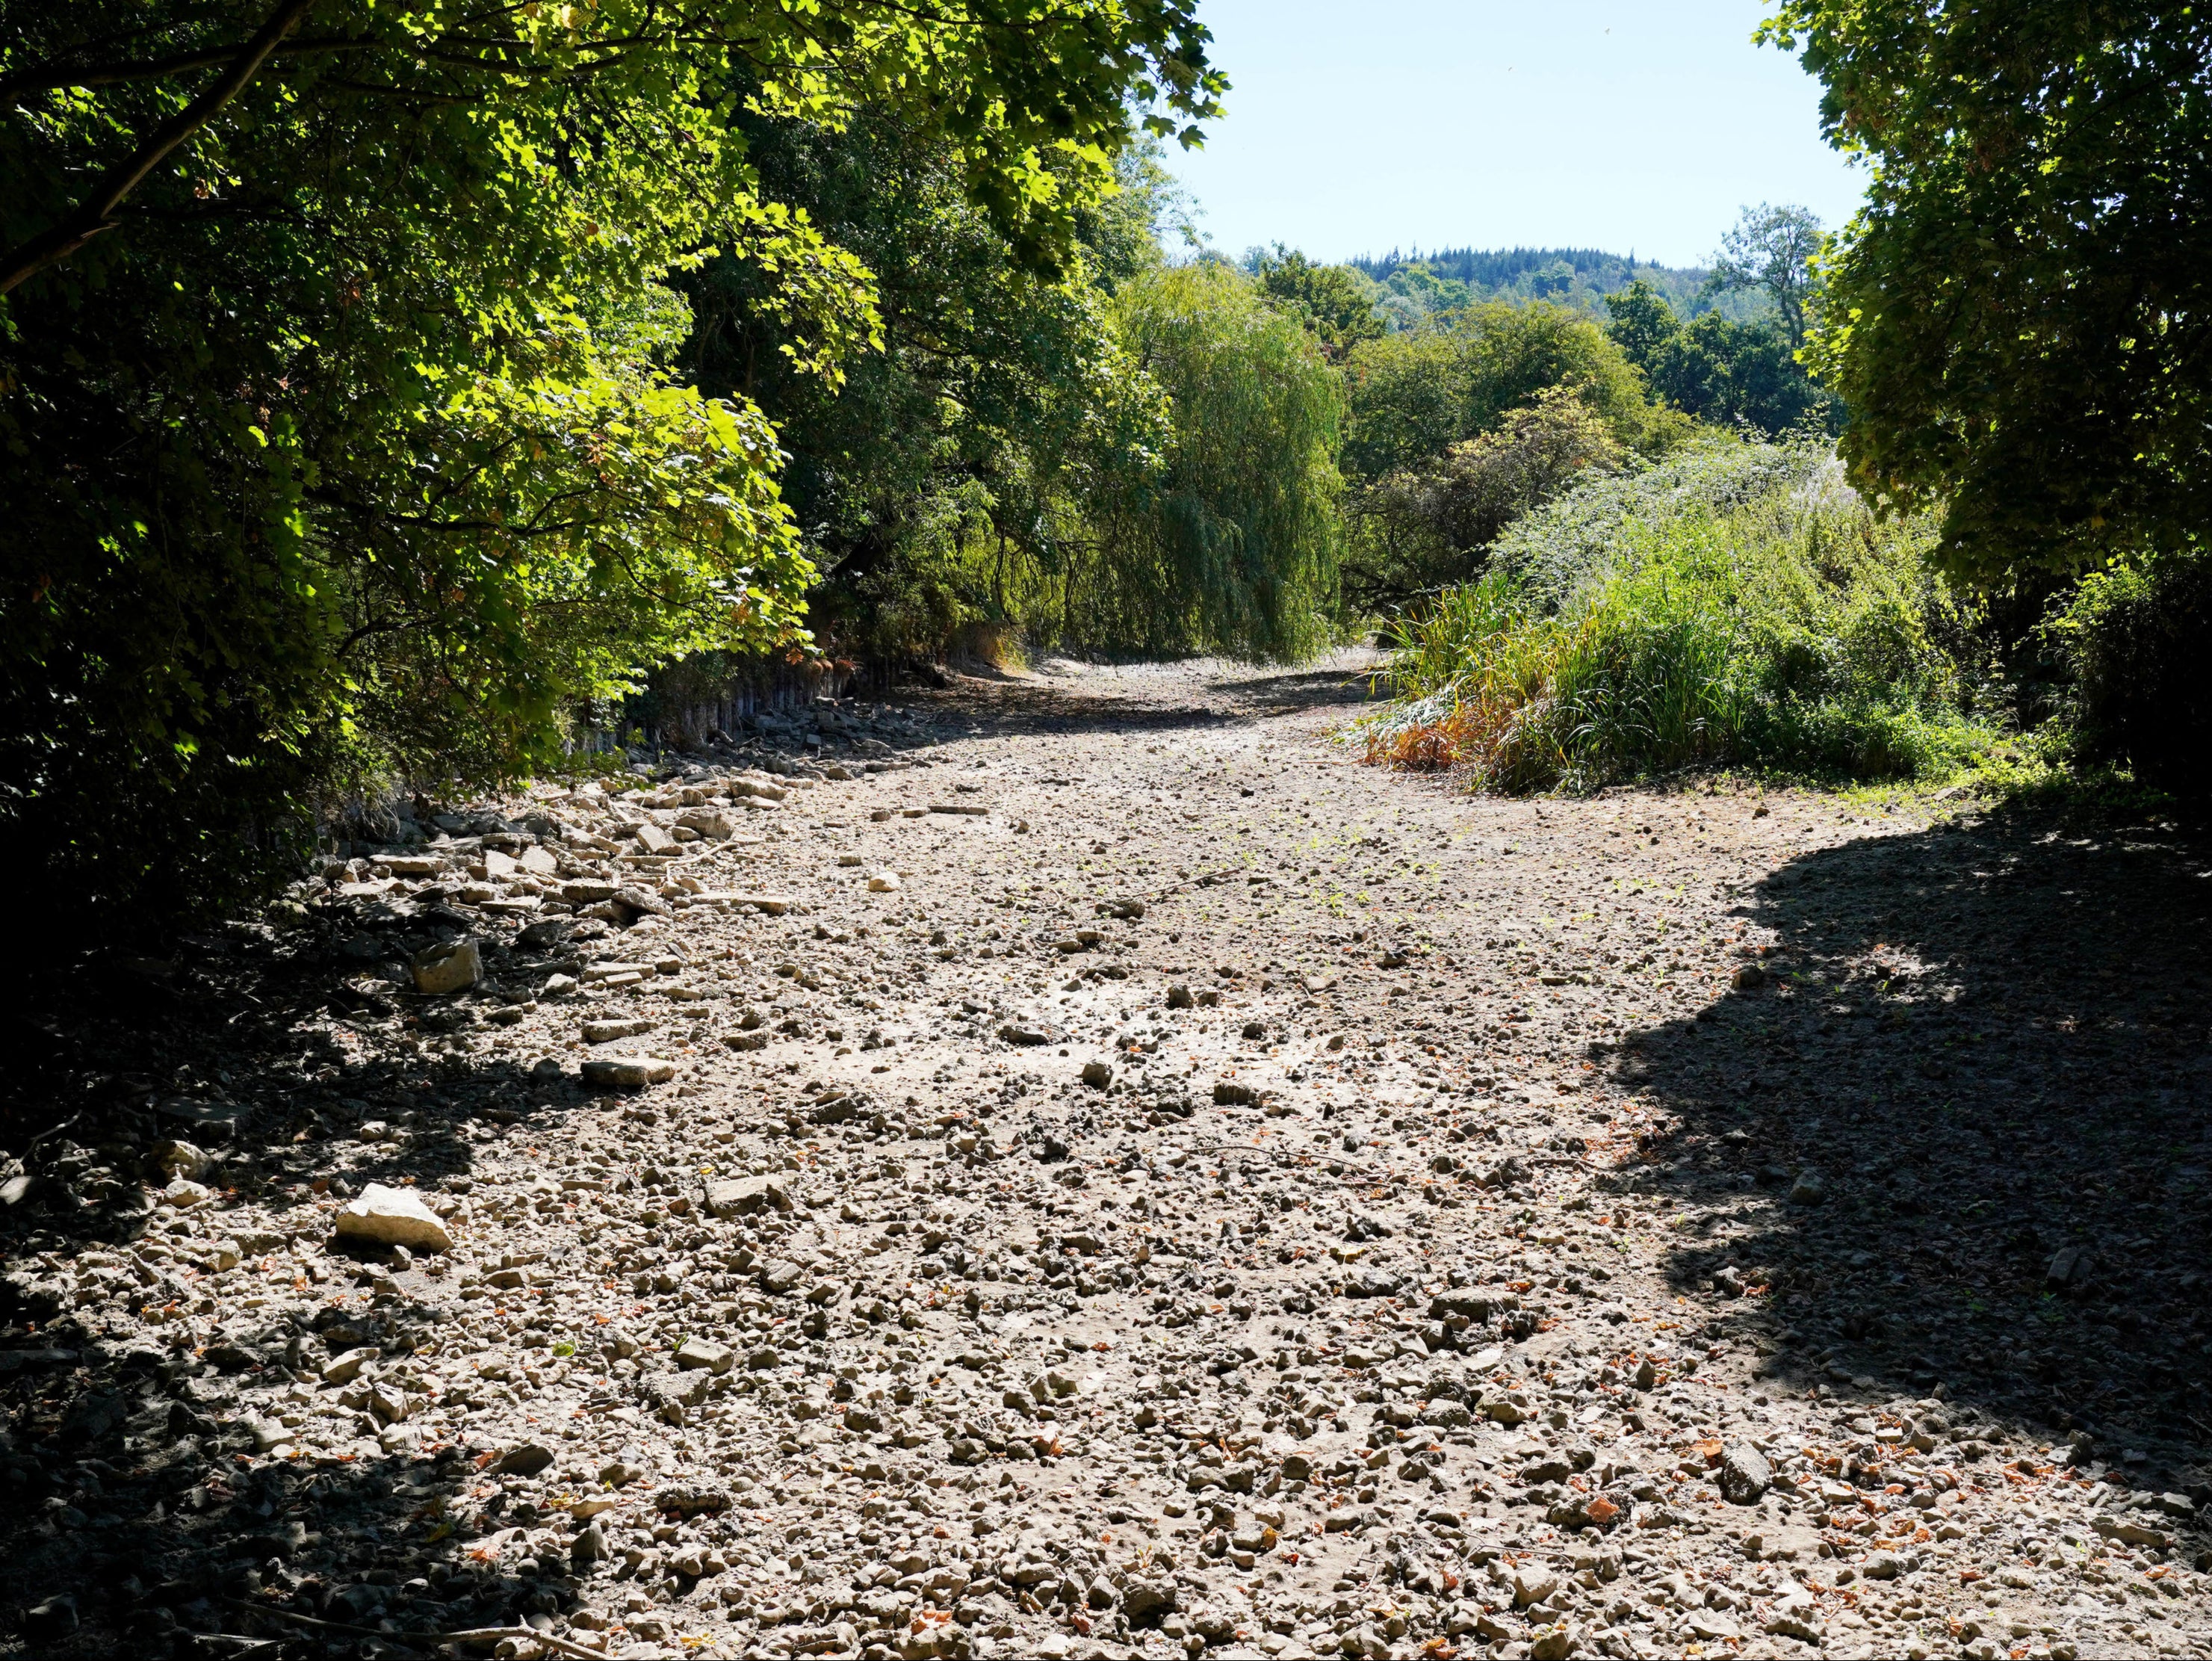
1576	277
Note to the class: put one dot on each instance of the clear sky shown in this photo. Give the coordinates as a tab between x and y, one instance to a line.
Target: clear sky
1588	124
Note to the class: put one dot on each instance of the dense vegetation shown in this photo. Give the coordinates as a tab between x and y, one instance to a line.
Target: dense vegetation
1735	604
1411	288
2016	318
382	384
335	395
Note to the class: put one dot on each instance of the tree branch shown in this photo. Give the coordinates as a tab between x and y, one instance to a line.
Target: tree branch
94	215
55	78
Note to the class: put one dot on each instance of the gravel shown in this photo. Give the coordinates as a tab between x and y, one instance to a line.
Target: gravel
1121	1178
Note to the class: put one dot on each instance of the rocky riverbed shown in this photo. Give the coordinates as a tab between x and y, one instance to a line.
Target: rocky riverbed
1084	1166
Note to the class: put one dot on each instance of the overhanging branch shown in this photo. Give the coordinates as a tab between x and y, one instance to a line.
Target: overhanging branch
95	214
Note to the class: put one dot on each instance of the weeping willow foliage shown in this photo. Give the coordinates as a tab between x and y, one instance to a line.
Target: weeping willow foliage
1230	543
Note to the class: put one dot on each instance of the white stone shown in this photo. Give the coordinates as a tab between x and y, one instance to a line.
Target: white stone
883	882
392	1216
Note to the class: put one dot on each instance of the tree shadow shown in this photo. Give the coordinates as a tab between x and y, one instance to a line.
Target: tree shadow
147	1516
1279	694
1044	705
1961	1134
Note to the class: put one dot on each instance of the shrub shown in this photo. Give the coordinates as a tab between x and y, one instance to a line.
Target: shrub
1666	625
2136	638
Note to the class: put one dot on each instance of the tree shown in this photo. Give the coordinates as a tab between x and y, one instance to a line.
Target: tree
1333	301
1422	527
2018	316
335	412
1737	374
947	474
1232	545
1772	250
1413	395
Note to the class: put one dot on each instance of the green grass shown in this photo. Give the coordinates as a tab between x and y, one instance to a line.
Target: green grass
1752	613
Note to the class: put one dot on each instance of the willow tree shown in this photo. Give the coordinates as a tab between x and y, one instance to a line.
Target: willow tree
1229	543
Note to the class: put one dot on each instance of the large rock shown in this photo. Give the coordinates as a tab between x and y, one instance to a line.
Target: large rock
628	1071
448	966
696	1352
741	1197
711	823
173	1160
1145	1603
392	1216
636	899
1745	1474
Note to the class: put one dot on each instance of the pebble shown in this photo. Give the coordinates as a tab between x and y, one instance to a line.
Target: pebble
993	1300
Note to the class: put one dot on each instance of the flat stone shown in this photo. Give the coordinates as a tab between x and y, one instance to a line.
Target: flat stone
704	1353
392	1216
636	899
628	1071
692	1500
525	1460
345	1368
608	1031
2068	1266
1787	1543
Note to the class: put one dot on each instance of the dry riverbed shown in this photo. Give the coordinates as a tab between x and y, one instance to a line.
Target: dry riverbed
1081	1165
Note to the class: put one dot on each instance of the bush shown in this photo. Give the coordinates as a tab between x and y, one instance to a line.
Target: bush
1688	620
2136	639
1424	526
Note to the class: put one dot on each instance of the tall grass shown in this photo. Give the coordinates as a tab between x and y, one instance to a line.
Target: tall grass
1781	626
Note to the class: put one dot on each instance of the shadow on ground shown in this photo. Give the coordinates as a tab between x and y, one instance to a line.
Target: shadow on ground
141	1519
1018	708
1962	1133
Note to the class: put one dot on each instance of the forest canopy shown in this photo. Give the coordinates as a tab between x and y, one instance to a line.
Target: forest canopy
340	424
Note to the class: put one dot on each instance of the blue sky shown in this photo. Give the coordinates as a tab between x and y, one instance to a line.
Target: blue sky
1548	123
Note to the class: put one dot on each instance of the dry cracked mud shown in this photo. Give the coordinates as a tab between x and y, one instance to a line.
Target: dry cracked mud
1110	1174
